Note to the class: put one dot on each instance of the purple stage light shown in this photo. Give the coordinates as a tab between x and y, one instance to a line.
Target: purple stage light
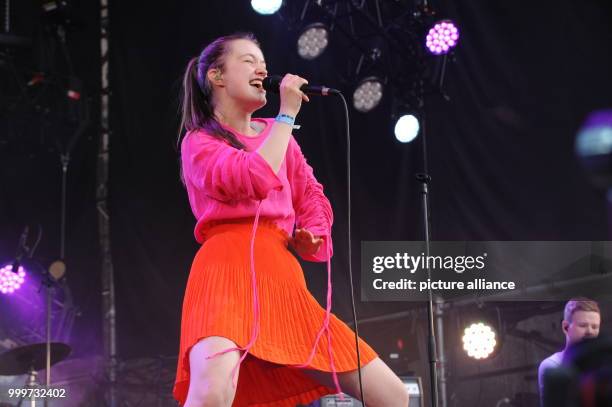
442	37
9	281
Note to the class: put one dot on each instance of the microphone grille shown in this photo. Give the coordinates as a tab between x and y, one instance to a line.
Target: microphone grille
271	83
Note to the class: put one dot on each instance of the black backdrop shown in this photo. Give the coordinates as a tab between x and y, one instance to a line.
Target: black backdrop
501	151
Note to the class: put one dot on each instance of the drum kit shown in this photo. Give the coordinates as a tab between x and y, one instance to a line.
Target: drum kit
30	359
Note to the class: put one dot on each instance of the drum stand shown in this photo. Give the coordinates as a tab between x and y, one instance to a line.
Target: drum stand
31	383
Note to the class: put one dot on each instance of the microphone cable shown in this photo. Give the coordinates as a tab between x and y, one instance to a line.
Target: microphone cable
271	82
350	256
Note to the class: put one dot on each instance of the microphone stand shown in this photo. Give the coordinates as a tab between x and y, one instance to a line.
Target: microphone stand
424	179
48	279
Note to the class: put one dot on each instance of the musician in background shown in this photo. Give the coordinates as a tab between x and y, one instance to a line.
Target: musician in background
581	320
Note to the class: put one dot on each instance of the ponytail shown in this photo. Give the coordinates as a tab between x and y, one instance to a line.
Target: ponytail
197	110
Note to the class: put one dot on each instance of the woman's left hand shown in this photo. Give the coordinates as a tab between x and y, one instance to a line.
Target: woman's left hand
305	243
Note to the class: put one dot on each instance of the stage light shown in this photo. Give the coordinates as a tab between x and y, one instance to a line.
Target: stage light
368	94
442	37
594	148
9	281
479	340
266	7
312	41
406	128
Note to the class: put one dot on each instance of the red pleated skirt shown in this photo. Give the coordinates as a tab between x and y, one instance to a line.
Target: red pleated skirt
219	302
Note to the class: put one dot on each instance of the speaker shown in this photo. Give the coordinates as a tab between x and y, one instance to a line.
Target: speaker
413	385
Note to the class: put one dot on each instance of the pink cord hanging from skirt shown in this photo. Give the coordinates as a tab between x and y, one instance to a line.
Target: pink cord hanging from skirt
325	327
255	330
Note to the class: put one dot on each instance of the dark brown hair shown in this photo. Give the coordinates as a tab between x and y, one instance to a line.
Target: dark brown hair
197	110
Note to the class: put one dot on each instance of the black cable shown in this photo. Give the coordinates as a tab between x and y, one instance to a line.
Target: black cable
350	256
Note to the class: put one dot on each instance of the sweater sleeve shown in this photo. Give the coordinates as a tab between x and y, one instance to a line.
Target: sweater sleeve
226	173
312	208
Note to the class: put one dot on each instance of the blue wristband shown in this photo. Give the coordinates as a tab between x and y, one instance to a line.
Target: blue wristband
285	118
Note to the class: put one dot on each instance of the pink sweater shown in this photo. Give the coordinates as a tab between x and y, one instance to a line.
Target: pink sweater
226	183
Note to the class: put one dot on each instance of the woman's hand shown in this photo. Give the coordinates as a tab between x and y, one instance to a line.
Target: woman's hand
274	147
305	243
290	94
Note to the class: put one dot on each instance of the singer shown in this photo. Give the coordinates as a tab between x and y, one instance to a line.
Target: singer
251	333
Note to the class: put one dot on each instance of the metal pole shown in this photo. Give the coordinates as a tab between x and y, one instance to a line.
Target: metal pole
48	338
431	344
425	179
441	355
108	288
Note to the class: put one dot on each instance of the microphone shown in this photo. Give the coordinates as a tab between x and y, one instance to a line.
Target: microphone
272	83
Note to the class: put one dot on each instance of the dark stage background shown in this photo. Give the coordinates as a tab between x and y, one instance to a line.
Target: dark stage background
500	151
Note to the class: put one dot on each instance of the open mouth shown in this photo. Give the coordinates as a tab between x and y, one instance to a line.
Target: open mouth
257	83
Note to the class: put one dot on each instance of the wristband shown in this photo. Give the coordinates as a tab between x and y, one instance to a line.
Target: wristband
285	118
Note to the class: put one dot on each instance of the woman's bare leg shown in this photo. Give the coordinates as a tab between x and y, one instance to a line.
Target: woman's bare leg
210	382
381	387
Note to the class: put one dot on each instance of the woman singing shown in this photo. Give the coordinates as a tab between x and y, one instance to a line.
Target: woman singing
251	333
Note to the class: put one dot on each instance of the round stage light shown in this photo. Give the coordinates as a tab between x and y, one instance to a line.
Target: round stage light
479	340
406	128
9	281
443	36
312	41
266	7
368	94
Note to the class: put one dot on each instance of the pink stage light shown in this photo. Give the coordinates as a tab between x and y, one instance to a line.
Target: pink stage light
9	281
442	37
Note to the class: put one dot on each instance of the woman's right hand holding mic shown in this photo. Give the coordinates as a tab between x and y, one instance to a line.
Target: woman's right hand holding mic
290	94
273	149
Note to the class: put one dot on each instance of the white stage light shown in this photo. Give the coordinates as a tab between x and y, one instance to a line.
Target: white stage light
406	128
368	94
266	7
312	41
479	340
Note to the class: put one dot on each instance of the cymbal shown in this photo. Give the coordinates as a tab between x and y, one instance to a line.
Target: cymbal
26	358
